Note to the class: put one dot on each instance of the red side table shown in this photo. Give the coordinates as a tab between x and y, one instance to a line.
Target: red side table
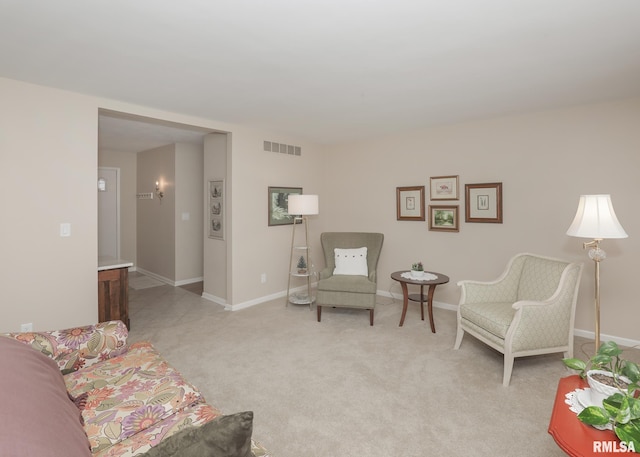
574	437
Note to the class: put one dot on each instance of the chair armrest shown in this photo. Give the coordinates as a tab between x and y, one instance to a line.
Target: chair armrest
78	347
373	276
487	292
540	324
325	273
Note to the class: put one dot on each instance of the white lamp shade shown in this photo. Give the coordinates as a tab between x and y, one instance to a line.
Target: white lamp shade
595	218
302	205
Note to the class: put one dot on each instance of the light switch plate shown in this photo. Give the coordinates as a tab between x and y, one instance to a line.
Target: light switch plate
65	229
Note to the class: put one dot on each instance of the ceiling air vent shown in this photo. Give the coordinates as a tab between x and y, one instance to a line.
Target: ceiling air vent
272	146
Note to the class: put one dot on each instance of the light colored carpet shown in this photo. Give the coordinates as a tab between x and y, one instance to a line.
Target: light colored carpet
341	388
141	281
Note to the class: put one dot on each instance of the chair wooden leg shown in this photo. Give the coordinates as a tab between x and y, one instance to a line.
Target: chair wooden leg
371	317
459	336
508	368
319	311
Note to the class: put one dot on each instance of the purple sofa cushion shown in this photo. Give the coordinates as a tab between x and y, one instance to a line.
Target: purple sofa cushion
37	418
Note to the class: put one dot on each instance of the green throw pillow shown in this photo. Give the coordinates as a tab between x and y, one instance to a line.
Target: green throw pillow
225	436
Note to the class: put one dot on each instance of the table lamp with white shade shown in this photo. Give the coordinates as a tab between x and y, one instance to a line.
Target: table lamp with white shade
596	219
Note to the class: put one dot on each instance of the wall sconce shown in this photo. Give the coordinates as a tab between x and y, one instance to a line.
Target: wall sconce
159	193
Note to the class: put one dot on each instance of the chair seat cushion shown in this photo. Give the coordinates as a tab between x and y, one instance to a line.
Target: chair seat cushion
494	317
348	283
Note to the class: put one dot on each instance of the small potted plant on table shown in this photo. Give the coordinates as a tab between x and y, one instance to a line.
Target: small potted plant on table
417	270
614	390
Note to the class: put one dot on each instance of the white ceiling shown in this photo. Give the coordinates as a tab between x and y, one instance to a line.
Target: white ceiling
330	70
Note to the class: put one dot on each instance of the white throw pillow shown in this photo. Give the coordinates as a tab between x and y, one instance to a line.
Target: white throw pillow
351	262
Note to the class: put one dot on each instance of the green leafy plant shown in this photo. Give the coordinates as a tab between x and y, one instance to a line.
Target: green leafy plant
417	266
622	409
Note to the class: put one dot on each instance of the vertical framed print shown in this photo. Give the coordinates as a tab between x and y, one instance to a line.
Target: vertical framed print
216	209
483	202
410	203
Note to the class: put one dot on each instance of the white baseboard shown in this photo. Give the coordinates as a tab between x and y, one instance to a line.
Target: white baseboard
156	276
254	302
603	337
183	282
436	304
171	282
215	299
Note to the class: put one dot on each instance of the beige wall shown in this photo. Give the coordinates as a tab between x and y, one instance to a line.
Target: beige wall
544	160
189	198
126	162
216	259
256	247
156	227
48	164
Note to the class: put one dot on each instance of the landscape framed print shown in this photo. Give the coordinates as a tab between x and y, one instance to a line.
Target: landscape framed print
410	203
483	202
278	204
444	218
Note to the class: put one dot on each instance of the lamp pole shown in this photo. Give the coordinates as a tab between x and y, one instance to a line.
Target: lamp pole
596	254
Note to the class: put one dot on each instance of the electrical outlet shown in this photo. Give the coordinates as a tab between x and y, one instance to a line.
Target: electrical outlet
26	327
263	278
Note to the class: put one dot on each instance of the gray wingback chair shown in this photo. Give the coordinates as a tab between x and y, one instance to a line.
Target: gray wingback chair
528	310
348	291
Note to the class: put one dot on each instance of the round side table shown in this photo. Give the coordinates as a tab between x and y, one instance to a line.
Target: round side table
421	297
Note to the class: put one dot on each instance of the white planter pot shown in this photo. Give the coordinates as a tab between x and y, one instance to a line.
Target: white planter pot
417	274
601	391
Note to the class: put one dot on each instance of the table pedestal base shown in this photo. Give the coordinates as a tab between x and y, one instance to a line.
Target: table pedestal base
421	297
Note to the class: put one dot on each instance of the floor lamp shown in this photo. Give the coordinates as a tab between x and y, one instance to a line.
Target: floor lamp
301	206
595	218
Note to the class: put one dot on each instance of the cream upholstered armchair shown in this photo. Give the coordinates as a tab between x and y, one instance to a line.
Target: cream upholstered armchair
349	279
529	310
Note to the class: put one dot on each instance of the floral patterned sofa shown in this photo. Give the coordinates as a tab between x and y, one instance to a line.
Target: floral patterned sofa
129	397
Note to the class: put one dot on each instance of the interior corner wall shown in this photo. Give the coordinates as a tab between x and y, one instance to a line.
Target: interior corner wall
188	212
156	230
545	161
127	163
216	273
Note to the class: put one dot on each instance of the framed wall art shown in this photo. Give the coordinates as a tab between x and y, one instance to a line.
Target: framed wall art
278	204
216	209
444	188
410	203
483	202
444	218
